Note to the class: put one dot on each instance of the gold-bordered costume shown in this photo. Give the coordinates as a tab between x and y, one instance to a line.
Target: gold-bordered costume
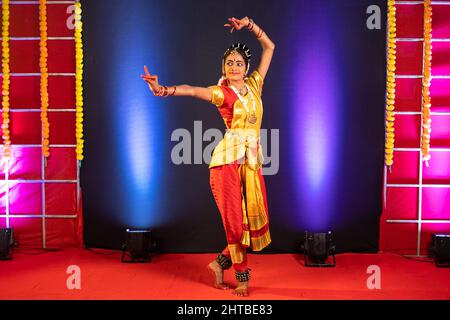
236	164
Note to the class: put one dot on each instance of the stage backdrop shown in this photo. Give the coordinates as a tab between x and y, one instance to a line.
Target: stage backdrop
324	100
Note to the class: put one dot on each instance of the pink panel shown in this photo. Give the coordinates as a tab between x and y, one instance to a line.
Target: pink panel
61	198
436	203
61	92
62	232
438	171
401	203
441	59
440	95
2	197
407	131
25	127
410	21
24	20
27	231
441	27
61	56
25	198
405	168
62	164
26	163
2	222
427	230
25	92
57	17
24	56
398	238
440	131
62	127
409	58
408	93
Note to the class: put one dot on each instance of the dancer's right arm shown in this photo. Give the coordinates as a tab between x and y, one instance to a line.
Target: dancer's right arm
181	90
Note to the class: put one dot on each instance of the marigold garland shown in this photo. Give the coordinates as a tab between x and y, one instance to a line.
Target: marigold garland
44	78
6	79
426	99
79	82
390	85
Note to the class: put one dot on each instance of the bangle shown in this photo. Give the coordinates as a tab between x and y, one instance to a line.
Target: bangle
158	93
173	92
166	92
250	24
260	33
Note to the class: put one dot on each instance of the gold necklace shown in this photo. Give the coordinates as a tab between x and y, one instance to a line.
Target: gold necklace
252	118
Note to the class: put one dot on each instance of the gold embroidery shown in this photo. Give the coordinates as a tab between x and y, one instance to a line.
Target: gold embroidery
217	96
256	81
261	242
237	252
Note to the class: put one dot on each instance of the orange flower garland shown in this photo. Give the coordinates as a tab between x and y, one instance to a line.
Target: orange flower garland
426	103
79	82
44	78
390	97
6	79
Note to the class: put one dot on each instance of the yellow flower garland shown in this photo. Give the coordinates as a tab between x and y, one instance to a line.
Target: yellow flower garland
390	97
6	79
426	103
44	77
79	82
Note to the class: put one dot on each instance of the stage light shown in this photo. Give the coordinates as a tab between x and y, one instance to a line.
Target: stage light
138	246
441	249
317	248
6	243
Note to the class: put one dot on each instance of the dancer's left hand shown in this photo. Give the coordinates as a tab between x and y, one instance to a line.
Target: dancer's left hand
237	24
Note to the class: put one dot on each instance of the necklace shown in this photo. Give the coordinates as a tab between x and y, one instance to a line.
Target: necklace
252	115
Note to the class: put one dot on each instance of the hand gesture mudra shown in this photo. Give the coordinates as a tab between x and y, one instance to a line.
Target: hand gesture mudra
237	24
152	80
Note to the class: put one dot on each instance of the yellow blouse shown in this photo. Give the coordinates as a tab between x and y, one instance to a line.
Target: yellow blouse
241	140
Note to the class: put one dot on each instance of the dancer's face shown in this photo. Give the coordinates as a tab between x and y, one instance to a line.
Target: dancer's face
235	67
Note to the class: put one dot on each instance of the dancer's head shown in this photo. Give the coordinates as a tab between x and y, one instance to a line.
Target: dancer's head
236	62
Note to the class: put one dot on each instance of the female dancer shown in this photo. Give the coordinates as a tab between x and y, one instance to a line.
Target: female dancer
235	170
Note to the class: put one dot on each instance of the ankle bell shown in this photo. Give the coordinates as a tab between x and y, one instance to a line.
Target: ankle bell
243	276
224	262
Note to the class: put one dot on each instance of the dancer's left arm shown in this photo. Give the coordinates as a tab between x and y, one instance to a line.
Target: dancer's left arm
268	47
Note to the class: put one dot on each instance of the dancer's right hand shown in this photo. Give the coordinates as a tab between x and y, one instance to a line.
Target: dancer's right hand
152	80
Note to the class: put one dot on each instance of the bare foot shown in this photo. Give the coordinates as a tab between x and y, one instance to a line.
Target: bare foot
241	289
215	269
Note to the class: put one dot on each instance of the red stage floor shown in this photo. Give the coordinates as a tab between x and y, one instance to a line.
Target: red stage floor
184	276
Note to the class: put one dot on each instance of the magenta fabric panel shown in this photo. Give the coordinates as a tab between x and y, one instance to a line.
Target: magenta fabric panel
405	15
405	168
26	163
440	95
408	93
407	131
401	203
61	165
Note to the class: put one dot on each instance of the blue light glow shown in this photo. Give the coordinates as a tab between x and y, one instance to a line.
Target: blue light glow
137	117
